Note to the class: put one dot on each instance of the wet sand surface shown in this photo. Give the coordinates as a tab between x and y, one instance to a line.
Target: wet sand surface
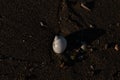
28	27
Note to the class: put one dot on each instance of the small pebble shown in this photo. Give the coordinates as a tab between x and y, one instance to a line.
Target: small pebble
116	47
85	7
84	47
41	23
91	67
91	26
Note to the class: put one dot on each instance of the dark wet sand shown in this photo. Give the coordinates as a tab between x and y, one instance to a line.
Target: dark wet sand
26	46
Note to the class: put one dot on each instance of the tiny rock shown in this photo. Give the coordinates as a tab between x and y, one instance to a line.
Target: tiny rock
85	7
91	26
84	47
116	47
41	23
23	40
92	67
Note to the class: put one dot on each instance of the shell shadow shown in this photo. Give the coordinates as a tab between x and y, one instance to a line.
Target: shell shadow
87	36
76	39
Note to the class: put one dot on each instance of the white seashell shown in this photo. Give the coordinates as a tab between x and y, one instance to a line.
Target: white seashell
59	44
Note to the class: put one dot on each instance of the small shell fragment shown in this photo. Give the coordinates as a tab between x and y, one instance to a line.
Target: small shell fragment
91	26
116	47
84	47
85	7
59	44
41	23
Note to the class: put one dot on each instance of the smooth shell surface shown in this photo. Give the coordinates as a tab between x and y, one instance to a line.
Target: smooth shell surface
59	44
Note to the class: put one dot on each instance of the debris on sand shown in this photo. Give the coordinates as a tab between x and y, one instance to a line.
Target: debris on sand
92	67
43	24
84	47
116	47
91	26
85	7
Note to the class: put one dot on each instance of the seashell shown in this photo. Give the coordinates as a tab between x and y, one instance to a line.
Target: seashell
59	44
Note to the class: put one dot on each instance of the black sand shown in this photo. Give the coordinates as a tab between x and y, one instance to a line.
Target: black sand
26	45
